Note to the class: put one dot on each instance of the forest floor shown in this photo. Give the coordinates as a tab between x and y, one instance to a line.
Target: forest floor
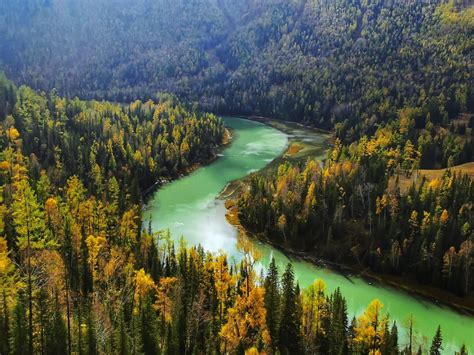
308	143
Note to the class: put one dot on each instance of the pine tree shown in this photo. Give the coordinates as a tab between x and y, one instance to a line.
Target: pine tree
4	325
289	332
56	333
30	229
394	339
436	344
42	316
272	302
385	346
19	332
351	343
148	327
121	337
90	329
462	350
409	323
390	340
337	336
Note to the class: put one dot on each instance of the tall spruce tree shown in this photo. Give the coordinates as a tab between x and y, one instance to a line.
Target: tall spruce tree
4	325
289	331
272	302
19	332
437	343
337	337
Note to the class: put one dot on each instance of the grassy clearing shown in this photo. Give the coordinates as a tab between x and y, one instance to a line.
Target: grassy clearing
293	149
431	174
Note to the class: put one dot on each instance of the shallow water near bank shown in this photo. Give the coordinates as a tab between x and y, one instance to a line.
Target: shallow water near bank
189	207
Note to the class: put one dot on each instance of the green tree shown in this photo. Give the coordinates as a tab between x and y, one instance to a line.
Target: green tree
337	336
30	228
289	332
272	302
19	332
437	343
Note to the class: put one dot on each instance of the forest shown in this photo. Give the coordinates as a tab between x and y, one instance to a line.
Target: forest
110	99
353	210
80	274
321	62
368	204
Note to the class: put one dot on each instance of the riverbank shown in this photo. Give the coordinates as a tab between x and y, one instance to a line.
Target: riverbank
463	305
301	145
300	150
304	143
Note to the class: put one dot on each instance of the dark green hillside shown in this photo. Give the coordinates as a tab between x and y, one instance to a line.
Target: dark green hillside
317	62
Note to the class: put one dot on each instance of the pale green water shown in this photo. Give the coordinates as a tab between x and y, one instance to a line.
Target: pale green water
188	207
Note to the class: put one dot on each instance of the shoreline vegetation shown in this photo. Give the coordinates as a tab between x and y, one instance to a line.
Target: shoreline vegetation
462	305
295	151
227	139
108	276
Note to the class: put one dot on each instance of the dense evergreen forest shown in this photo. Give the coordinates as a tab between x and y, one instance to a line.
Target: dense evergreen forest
135	145
321	62
79	273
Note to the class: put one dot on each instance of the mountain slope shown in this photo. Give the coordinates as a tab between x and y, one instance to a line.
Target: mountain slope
317	61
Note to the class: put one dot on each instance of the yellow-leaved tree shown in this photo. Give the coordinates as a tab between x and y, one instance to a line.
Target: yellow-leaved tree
7	269
370	328
246	325
223	281
164	302
95	244
144	284
314	310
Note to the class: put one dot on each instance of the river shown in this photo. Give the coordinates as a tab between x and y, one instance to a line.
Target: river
189	207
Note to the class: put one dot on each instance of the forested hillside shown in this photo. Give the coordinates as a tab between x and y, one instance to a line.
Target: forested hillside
313	61
135	145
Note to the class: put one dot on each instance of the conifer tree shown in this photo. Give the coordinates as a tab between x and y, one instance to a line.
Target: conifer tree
437	343
393	348
272	302
30	229
289	330
462	350
19	332
337	336
4	325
